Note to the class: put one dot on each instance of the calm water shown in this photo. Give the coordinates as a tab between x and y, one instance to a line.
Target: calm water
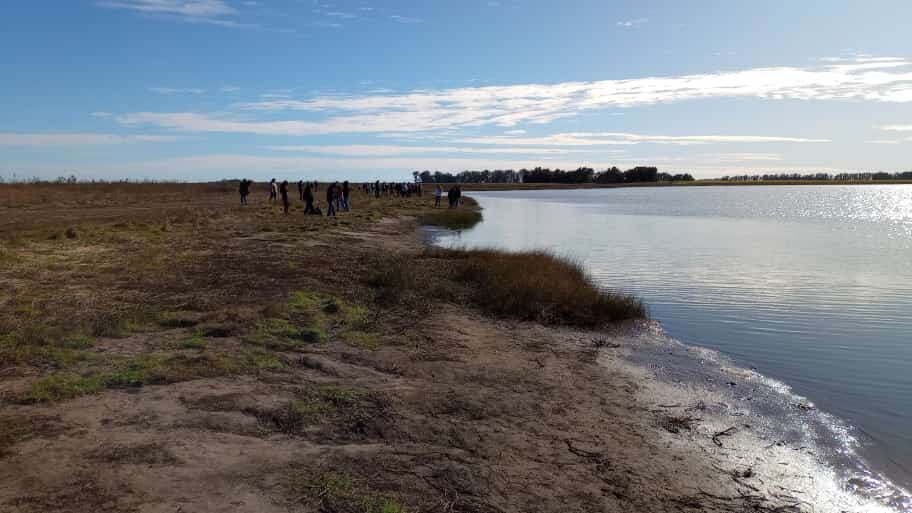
809	285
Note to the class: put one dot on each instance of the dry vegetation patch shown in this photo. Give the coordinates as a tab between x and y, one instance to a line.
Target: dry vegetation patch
248	340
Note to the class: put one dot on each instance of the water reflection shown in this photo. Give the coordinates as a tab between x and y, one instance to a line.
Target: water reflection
810	285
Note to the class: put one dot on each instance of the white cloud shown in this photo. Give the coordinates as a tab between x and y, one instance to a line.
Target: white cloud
633	23
177	90
515	132
78	139
189	8
897	128
377	150
426	110
214	12
405	19
884	141
623	139
341	14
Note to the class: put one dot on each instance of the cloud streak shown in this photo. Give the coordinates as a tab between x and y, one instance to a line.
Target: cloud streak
177	90
78	139
883	80
633	23
214	12
624	138
378	150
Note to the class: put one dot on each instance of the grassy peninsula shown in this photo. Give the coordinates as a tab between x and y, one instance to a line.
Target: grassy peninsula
164	349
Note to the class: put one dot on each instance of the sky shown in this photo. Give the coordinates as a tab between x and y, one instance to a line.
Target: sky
316	89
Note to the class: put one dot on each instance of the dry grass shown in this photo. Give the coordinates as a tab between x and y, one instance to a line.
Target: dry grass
542	287
462	218
127	260
529	286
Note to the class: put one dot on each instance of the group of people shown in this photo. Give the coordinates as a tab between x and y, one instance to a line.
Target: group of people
338	196
454	195
391	189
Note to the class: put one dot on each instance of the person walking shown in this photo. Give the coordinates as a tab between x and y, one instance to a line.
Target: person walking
301	190
283	189
438	193
331	201
309	200
346	196
273	190
244	190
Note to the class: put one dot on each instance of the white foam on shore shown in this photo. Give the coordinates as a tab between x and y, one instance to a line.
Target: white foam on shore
793	453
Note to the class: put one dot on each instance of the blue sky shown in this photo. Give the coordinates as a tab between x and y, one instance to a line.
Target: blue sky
209	89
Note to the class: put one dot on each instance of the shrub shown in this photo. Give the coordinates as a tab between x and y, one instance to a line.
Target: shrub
393	277
452	218
539	286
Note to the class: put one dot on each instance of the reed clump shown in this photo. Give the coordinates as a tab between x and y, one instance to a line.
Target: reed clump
542	287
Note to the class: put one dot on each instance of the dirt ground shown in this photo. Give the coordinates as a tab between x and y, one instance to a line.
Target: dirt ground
241	360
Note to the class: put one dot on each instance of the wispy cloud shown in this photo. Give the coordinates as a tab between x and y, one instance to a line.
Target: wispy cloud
633	23
625	139
378	150
508	106
215	12
884	141
512	105
405	19
177	90
897	128
78	139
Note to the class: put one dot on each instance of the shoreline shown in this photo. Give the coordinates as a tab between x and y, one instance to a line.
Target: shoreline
776	449
386	404
695	183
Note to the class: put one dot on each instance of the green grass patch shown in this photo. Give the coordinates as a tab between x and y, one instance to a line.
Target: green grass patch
362	340
62	386
149	369
178	319
40	349
195	341
339	492
278	333
310	318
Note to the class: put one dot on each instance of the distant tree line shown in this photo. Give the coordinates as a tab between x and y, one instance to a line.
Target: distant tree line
822	177
547	175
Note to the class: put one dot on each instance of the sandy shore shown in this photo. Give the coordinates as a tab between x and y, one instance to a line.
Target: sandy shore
451	412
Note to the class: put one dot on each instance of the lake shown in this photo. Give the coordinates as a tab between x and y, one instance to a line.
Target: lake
809	285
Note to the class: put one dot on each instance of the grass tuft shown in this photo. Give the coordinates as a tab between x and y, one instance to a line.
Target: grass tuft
451	218
339	492
539	286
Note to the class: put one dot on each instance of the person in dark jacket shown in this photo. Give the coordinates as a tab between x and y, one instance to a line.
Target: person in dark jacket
331	200
283	189
244	190
301	190
309	200
346	196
